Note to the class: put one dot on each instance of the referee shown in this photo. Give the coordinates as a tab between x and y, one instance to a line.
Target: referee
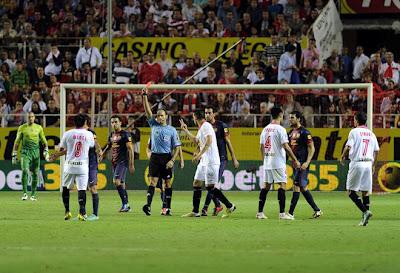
165	147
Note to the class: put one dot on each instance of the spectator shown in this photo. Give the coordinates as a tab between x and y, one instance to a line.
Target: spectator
102	118
292	40
137	106
188	69
123	73
211	76
17	116
274	49
263	119
169	104
331	120
102	72
310	56
121	111
360	63
389	70
275	8
133	7
173	77
189	103
189	9
122	32
135	133
38	113
255	11
19	76
166	64
88	54
261	77
53	62
287	64
52	114
67	72
44	91
151	71
239	103
7	34
246	119
36	98
4	110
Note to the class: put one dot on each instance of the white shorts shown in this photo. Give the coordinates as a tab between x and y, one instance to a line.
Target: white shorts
359	177
275	176
81	181
207	173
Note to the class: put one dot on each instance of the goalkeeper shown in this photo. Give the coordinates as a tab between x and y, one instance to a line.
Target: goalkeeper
30	134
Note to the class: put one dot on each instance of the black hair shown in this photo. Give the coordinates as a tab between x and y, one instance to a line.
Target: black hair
199	114
361	118
115	116
275	112
210	107
300	116
79	120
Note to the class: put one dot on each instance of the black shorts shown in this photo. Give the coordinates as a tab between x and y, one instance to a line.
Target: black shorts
158	166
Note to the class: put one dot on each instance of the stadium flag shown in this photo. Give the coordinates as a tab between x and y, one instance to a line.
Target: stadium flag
328	32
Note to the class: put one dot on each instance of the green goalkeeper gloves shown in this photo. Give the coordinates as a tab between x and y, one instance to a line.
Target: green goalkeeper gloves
46	154
14	158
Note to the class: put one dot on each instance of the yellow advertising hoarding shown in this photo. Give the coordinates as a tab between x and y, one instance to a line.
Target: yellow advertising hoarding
328	142
174	46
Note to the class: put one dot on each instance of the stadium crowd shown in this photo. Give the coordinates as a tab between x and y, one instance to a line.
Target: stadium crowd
53	30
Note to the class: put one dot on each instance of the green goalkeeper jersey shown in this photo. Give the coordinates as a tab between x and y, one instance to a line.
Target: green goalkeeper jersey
30	135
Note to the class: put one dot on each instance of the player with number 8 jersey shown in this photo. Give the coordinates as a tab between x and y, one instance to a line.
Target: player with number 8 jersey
76	143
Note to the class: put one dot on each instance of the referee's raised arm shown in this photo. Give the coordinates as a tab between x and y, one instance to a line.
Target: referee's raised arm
146	104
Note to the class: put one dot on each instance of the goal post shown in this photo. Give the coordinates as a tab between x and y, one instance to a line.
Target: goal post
64	87
256	89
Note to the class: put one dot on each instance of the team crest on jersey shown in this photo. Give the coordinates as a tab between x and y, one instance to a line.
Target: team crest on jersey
116	138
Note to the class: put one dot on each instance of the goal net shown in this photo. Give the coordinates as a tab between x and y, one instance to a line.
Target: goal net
328	112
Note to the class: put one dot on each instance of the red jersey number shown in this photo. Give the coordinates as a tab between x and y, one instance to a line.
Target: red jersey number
366	143
78	149
267	144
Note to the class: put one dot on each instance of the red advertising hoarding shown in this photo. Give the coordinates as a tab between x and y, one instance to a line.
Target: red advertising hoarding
369	6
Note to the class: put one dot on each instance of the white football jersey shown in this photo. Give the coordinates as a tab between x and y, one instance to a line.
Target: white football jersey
273	137
363	143
211	156
77	143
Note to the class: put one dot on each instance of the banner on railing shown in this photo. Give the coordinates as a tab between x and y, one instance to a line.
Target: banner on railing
329	143
323	176
174	46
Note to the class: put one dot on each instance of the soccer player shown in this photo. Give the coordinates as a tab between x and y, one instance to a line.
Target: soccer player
208	161
165	147
122	159
302	145
94	152
273	144
362	148
223	141
76	142
30	134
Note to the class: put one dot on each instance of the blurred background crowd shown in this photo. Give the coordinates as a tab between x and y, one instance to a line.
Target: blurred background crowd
45	43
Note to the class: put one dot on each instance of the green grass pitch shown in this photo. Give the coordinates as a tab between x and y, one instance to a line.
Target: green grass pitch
35	238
